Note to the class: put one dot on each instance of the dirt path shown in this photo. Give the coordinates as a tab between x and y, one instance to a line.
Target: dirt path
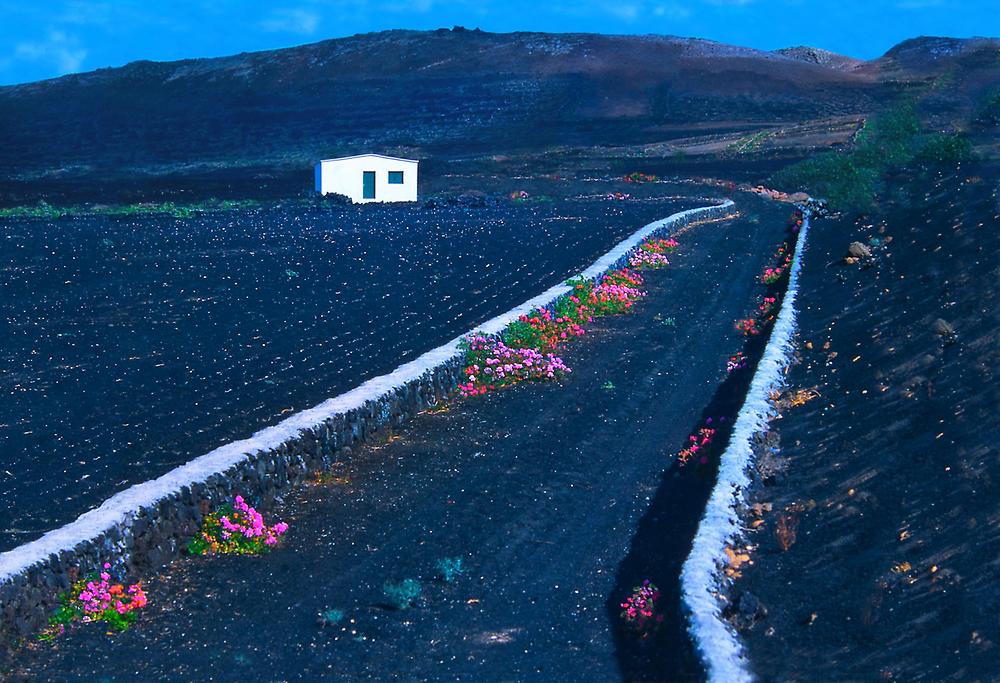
539	489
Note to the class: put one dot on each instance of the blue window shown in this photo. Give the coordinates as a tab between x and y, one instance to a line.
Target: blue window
395	177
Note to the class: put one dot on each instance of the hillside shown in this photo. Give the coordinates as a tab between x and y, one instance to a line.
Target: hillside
444	95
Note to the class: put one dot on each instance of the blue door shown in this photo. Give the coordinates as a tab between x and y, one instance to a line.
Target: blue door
369	185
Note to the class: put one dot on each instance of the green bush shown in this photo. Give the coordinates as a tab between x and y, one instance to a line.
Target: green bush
988	110
450	568
938	148
837	177
402	595
851	180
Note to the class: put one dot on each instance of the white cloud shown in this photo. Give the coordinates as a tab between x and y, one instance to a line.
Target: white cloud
623	10
671	11
59	49
299	21
87	13
422	6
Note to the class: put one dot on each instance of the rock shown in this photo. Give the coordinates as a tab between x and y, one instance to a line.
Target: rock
859	250
798	197
745	612
943	328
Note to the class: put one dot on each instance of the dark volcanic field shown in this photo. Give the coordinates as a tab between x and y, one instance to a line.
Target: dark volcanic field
539	490
131	345
890	477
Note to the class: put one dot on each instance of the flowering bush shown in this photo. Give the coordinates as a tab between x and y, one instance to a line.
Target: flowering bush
519	195
97	598
639	609
784	258
736	362
491	364
616	293
647	259
697	442
795	221
618	196
525	350
772	275
767	306
639	177
748	326
660	246
766	313
236	529
541	330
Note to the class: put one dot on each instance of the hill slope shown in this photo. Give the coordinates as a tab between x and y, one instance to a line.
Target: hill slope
449	92
442	94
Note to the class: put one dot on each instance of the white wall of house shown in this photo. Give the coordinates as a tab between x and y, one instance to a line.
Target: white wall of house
346	176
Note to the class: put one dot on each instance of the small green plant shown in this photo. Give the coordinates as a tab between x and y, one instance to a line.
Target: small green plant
404	594
331	617
450	568
46	210
608	386
669	322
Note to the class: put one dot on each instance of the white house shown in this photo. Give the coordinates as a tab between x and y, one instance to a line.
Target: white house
369	178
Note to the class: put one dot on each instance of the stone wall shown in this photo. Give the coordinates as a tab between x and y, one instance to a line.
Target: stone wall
148	525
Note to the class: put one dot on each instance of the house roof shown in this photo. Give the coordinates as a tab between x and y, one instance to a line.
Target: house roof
379	156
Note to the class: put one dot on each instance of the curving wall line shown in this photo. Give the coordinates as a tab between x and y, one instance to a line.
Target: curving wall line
716	642
145	525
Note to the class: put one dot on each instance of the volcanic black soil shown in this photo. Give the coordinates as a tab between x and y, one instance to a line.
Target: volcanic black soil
888	497
539	489
131	345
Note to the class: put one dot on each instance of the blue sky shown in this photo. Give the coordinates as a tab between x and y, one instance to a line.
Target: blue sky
47	38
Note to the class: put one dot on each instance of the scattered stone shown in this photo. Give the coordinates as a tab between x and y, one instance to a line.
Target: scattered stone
745	612
859	250
943	329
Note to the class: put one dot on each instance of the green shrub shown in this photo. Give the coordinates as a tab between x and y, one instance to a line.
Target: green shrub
404	594
851	180
450	568
988	110
837	177
938	148
331	617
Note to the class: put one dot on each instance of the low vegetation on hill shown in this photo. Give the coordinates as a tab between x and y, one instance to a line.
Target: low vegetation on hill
851	179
